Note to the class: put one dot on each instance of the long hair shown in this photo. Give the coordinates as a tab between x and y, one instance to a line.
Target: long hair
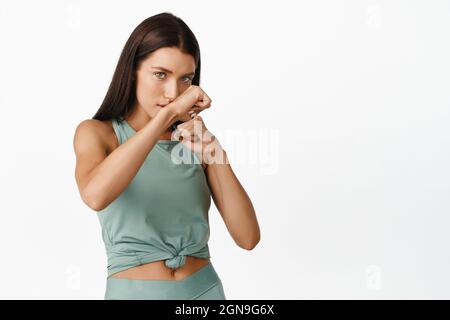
158	31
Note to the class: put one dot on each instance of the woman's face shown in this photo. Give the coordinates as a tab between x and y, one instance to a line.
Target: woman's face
161	77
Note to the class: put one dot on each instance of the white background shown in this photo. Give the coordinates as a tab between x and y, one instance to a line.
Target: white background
343	109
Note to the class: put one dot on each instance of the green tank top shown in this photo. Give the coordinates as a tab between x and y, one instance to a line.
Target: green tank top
162	214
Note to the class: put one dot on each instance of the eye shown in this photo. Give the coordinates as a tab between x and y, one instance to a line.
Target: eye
158	73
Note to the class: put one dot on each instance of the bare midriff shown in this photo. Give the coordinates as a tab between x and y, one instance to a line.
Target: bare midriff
159	271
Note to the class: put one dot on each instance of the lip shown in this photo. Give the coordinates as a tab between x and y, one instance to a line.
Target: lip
161	105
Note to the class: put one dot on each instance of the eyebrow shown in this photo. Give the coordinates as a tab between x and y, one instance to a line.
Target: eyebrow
168	71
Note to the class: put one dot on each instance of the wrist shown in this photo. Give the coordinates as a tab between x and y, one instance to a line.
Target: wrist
213	153
167	116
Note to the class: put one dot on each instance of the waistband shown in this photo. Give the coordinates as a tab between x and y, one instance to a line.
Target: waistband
188	288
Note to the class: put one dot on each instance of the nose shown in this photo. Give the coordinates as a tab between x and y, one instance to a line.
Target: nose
171	91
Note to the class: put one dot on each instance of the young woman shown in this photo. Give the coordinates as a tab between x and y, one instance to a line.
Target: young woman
147	164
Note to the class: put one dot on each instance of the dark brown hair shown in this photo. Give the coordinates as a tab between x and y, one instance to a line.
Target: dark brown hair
158	31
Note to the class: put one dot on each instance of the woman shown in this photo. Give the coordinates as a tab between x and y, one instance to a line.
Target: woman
147	164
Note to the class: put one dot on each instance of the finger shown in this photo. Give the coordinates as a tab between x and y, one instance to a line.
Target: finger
182	130
205	103
185	125
196	108
205	98
192	114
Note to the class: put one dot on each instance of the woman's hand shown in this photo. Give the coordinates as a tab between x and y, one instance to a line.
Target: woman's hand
193	99
196	137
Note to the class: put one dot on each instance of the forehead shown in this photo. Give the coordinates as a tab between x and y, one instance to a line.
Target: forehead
170	58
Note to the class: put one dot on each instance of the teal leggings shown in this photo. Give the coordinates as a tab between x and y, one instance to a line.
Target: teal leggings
204	284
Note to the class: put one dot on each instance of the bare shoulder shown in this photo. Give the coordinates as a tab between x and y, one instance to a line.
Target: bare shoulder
100	131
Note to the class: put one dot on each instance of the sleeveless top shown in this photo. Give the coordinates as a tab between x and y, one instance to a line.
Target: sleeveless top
162	214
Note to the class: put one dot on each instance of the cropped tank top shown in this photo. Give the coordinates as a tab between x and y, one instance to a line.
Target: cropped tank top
162	214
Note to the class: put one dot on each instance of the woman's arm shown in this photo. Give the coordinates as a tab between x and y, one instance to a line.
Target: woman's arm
102	180
233	203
